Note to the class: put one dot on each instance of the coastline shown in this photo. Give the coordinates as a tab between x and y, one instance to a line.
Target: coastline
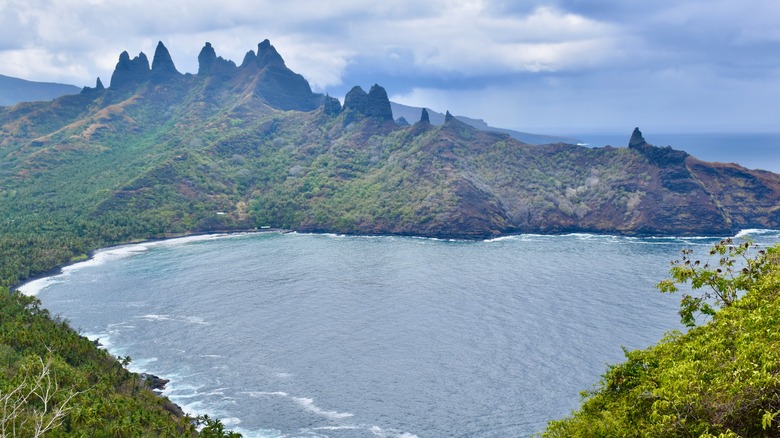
126	249
32	285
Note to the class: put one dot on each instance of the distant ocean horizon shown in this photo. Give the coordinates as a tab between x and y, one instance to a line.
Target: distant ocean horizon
750	150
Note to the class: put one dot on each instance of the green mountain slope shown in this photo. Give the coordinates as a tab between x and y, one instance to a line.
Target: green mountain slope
241	147
238	147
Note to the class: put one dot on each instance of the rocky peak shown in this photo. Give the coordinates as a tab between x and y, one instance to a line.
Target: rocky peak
663	157
331	106
378	104
424	117
249	59
98	87
267	54
355	100
162	64
206	59
448	117
211	64
401	121
636	139
130	71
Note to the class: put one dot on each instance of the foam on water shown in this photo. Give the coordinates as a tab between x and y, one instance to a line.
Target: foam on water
756	232
357	337
34	287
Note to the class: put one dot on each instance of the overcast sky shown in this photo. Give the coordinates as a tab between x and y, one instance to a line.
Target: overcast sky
547	66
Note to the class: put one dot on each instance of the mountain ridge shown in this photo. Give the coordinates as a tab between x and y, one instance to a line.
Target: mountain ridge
250	145
14	90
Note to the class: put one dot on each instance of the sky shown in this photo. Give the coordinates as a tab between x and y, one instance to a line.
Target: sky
546	66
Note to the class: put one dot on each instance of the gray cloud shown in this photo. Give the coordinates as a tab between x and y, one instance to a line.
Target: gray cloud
555	63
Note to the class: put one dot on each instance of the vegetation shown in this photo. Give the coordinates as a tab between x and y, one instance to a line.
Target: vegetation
202	153
718	379
56	382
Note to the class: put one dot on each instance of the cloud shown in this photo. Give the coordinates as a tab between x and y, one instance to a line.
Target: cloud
514	60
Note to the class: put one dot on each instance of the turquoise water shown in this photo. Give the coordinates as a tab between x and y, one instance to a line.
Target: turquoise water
287	335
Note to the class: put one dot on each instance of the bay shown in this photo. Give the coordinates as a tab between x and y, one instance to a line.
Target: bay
287	335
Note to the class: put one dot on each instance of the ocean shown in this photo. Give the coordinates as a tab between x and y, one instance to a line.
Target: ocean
298	335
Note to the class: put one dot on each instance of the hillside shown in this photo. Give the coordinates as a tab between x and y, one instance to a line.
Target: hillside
15	90
247	146
244	146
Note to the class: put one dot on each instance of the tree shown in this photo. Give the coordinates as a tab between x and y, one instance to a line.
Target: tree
736	271
35	405
213	428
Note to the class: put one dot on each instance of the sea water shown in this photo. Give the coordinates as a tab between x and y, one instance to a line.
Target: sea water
292	335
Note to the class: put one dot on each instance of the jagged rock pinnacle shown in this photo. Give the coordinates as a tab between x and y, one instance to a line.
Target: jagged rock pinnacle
162	64
424	117
636	139
130	71
448	117
331	106
378	104
267	54
206	59
99	85
249	59
355	100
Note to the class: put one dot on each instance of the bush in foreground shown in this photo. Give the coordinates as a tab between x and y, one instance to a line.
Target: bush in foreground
719	379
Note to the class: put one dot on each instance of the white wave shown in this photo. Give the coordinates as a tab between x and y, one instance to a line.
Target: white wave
196	320
103	338
264	393
378	431
304	402
230	421
153	317
501	239
104	255
335	428
755	232
32	288
308	404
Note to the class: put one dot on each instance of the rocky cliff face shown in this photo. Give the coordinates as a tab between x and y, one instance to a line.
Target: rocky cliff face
263	73
254	143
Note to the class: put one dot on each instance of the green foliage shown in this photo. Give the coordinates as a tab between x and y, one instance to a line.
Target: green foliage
52	379
213	428
736	271
719	379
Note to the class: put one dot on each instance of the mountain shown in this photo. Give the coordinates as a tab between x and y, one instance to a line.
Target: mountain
244	146
14	90
413	113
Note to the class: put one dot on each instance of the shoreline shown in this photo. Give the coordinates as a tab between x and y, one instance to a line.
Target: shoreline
174	237
169	238
182	238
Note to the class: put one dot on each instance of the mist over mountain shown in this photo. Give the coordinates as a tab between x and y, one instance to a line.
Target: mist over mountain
14	90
